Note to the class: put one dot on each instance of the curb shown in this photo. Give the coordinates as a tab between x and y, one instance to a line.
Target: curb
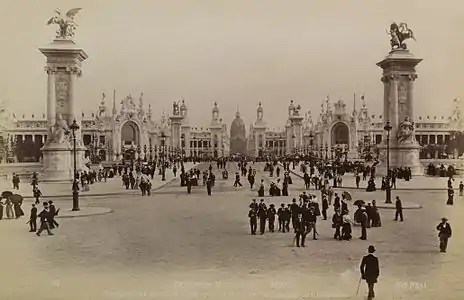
104	211
407	206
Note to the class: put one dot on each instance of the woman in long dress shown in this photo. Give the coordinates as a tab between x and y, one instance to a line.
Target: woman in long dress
346	228
9	209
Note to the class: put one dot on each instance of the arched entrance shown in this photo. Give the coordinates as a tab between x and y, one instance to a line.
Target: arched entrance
130	139
340	138
130	134
340	134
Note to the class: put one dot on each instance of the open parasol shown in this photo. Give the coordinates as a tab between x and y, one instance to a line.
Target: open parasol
359	202
347	196
7	194
16	198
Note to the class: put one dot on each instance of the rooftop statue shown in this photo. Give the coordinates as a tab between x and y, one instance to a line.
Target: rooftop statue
400	33
66	24
175	108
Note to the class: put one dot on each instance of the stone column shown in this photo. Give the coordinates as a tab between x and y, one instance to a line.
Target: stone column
393	105
73	102
412	78
386	109
51	98
256	142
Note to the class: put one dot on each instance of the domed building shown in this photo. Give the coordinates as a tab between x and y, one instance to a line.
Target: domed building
238	142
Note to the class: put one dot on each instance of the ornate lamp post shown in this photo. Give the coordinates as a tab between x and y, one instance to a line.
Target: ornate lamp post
163	166
326	150
151	153
75	189
293	144
145	152
388	128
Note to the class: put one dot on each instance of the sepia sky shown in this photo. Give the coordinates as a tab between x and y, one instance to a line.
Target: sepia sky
235	52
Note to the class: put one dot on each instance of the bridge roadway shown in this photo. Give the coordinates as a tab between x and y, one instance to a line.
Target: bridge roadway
173	245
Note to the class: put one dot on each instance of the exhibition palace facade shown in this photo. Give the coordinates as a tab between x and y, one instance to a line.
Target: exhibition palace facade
129	131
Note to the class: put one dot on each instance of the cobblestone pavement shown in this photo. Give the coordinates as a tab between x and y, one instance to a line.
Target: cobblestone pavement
178	246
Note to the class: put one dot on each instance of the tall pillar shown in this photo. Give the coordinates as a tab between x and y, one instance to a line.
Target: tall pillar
63	66
393	109
51	100
398	74
410	103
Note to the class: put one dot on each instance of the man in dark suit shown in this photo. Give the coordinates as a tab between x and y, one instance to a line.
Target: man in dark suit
444	233
253	220
300	232
295	210
51	219
399	209
262	214
370	270
33	219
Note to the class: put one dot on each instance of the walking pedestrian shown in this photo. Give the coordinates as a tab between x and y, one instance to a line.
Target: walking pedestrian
253	220
51	218
300	232
399	209
44	216
271	213
444	233
33	219
370	270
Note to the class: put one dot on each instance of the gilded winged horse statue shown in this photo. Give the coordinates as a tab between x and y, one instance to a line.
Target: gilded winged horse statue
66	23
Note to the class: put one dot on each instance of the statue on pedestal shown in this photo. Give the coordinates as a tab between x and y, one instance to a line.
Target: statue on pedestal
406	132
66	24
175	108
57	133
400	33
296	110
291	107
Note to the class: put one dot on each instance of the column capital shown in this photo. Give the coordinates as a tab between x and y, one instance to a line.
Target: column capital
395	77
412	77
50	69
74	70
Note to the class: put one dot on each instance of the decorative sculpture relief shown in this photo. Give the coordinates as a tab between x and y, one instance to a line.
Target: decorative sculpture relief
406	132
61	89
57	133
402	97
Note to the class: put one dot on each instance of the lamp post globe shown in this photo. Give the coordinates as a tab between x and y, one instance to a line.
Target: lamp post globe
75	188
388	200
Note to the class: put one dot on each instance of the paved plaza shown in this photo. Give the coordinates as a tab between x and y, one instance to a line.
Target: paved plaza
173	245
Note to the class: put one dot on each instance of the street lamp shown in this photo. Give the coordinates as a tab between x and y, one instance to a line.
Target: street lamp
293	143
388	128
75	189
163	167
326	150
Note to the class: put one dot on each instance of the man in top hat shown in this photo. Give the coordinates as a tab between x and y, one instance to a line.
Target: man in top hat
363	221
53	212
262	214
370	270
271	213
444	233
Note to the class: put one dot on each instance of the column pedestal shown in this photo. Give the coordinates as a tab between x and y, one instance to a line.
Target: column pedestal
57	163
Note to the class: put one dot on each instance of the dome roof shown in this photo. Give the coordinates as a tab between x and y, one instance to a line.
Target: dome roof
237	128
